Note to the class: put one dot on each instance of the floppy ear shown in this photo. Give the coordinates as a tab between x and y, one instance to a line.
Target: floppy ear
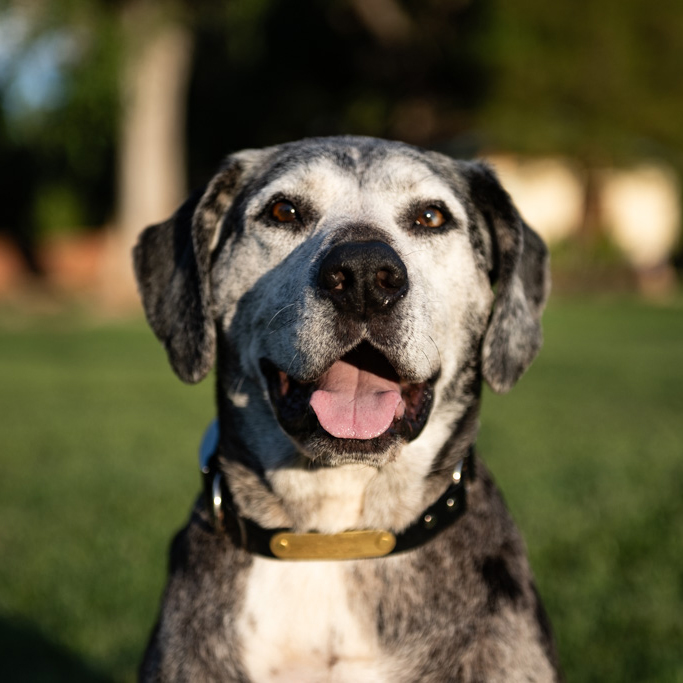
172	261
521	272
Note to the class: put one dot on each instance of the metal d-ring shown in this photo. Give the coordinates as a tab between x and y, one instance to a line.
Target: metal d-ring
217	500
457	472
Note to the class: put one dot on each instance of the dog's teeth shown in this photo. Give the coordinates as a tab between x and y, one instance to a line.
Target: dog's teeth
284	383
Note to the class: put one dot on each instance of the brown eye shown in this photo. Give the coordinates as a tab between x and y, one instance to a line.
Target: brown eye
284	212
430	218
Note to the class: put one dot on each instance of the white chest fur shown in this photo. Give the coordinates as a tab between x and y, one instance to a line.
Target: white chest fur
297	625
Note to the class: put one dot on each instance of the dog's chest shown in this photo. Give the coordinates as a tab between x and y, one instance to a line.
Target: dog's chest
299	624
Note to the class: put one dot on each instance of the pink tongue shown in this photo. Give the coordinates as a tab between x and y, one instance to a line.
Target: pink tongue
356	404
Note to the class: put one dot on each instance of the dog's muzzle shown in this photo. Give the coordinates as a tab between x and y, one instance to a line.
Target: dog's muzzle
361	405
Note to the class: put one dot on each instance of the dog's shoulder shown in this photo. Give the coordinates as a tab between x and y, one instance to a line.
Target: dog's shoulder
206	584
467	599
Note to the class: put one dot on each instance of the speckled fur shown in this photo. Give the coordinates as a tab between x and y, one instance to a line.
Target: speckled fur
222	285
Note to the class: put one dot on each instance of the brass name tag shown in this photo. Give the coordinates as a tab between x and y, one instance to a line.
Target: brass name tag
345	546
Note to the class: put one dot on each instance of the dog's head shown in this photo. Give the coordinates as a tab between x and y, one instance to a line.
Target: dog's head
353	289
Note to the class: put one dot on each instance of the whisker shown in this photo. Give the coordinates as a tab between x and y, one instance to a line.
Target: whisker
436	347
431	372
237	384
286	323
292	362
427	176
278	313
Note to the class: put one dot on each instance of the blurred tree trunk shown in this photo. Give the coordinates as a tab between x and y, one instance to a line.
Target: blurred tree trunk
151	157
591	225
386	20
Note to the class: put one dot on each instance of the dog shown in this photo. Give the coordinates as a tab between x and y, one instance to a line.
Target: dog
353	294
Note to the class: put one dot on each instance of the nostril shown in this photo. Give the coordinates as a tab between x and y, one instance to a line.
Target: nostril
339	280
335	280
388	280
382	279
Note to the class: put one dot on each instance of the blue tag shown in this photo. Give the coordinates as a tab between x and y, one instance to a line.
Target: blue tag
208	445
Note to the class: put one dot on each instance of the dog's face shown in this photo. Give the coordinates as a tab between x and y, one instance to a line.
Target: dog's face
348	284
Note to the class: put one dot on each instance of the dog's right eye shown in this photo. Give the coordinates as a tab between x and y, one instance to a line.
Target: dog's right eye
284	212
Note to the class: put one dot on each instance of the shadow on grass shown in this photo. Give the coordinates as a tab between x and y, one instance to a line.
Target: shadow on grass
27	655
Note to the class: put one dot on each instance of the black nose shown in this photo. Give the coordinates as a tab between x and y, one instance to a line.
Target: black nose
363	278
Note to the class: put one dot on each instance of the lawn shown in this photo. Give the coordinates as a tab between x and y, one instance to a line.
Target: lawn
98	443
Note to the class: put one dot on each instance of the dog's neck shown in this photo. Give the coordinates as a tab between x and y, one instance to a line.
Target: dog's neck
286	543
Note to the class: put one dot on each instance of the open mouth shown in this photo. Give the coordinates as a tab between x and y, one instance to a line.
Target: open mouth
361	403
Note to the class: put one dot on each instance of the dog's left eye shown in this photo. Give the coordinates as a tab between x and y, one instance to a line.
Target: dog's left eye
284	212
431	217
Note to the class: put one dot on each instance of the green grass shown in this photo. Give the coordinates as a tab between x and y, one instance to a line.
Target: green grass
588	449
97	469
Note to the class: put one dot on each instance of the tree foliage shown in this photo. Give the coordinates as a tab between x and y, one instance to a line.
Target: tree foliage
595	79
275	70
57	120
598	79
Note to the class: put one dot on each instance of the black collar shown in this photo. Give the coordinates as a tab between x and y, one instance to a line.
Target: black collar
283	543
